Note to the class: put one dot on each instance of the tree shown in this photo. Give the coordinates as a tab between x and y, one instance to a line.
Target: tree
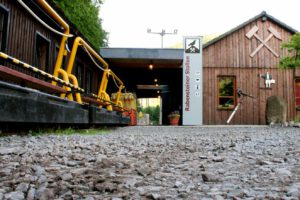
84	14
293	60
153	113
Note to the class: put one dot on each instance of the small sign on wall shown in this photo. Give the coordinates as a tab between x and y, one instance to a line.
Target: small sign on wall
192	45
192	113
266	81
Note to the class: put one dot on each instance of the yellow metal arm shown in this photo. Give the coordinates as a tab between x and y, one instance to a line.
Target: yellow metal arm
102	89
117	78
66	79
103	86
78	42
62	51
67	75
75	82
117	101
121	87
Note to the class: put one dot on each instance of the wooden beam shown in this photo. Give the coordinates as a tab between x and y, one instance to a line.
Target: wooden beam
29	81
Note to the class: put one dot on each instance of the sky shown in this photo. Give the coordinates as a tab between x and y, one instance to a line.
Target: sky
127	21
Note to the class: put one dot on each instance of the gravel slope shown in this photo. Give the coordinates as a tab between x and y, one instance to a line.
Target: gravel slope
154	163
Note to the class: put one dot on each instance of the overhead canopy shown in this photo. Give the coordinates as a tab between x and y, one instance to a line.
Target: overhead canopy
141	58
132	66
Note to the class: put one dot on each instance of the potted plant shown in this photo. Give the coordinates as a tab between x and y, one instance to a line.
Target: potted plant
174	118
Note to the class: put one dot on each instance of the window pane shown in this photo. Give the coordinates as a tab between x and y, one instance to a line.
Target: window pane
226	103
226	86
226	93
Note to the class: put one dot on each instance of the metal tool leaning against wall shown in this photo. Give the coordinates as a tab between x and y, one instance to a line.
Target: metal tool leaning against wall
241	96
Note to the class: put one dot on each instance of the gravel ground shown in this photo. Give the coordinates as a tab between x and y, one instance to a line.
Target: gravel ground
154	163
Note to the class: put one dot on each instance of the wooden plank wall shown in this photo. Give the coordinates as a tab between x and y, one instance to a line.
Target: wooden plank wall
247	79
231	56
22	33
21	41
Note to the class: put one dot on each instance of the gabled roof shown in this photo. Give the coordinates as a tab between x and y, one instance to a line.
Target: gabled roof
261	15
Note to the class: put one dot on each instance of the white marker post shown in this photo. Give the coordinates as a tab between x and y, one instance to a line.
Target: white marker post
192	104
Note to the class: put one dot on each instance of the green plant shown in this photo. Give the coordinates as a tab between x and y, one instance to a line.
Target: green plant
293	60
297	119
84	14
174	117
174	114
153	113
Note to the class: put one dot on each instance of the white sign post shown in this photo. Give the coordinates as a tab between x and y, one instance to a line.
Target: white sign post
192	108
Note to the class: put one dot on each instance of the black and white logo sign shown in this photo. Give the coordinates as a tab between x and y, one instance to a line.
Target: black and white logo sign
192	45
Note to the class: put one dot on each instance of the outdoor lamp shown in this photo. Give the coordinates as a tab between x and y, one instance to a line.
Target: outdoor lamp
150	66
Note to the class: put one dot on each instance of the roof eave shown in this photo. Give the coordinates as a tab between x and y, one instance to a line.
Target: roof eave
262	14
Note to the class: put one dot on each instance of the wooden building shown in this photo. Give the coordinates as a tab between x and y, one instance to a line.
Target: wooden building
23	37
239	59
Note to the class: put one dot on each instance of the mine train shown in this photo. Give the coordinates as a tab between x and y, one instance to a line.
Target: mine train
51	74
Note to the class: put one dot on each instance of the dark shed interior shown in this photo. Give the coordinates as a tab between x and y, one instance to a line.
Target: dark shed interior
164	79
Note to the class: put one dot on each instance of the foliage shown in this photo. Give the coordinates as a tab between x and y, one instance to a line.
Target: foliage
84	14
226	86
153	111
173	114
297	119
138	105
293	47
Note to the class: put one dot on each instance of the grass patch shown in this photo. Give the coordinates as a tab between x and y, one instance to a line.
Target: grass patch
297	119
71	131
